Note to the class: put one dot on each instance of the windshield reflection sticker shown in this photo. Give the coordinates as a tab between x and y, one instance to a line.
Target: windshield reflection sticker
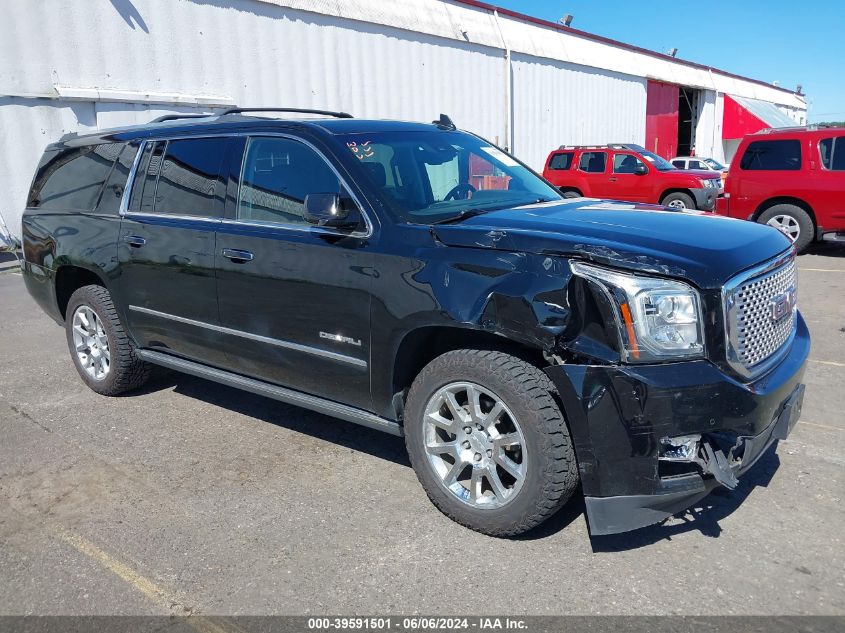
500	156
362	151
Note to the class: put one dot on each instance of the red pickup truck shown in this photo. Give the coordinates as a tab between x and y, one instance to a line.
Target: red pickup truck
631	173
792	179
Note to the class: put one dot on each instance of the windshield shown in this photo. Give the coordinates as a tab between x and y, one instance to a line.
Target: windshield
714	164
660	164
432	176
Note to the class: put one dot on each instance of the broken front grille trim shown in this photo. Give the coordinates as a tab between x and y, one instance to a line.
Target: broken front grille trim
752	344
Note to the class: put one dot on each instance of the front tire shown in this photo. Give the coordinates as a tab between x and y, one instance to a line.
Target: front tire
678	200
791	220
102	352
488	442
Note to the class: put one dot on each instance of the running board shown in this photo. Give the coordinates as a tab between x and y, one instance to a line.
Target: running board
288	396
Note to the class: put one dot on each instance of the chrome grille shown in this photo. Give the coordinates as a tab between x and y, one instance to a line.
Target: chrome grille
754	331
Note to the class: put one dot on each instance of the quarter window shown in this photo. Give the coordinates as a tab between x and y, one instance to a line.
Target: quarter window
593	162
277	175
832	152
188	177
626	164
772	156
561	161
73	178
113	191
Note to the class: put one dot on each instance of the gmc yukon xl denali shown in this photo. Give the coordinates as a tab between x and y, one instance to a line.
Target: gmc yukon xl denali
417	279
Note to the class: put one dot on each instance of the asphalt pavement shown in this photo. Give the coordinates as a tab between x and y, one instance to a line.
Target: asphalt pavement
190	497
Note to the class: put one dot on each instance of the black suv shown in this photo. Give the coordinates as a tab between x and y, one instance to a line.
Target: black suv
417	279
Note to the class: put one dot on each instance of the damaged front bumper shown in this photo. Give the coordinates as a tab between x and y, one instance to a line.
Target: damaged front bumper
621	415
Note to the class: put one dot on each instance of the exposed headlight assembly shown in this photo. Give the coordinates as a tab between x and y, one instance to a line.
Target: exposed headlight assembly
658	319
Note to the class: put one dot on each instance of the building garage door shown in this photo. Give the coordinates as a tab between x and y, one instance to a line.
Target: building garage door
661	119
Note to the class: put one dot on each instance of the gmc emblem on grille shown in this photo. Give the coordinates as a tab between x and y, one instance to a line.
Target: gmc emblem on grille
783	304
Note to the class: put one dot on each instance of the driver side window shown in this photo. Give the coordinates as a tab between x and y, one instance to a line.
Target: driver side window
277	175
626	164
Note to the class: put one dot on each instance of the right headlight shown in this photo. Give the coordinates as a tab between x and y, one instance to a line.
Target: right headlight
658	319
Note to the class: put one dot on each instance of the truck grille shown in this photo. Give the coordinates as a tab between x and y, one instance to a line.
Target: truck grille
760	315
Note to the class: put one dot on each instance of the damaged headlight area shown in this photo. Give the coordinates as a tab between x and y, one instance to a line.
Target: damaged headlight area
658	319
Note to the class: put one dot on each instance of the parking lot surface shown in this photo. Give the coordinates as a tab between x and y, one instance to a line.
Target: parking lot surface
190	497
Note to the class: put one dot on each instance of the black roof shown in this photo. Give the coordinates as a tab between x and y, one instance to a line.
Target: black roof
237	122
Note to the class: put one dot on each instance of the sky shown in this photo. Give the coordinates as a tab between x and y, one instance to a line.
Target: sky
774	40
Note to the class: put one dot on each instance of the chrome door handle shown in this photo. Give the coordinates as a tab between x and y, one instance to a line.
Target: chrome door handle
134	240
613	179
238	256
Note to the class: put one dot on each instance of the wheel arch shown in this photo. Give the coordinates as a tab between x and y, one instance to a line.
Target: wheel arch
69	279
671	190
770	202
567	189
420	346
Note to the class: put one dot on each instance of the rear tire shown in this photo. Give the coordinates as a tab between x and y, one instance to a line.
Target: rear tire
523	474
793	221
678	200
102	352
571	193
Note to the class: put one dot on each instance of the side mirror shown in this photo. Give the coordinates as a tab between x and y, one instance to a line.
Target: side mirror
640	170
327	209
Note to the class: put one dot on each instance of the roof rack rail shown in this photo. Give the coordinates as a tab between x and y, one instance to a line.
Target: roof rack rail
173	117
339	115
628	146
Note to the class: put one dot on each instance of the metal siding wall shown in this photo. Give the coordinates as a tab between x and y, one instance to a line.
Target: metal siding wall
557	103
705	129
401	59
255	53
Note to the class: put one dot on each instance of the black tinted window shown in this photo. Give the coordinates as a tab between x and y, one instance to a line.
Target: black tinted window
593	162
188	177
278	173
113	191
561	161
140	178
772	156
148	195
626	164
832	152
73	178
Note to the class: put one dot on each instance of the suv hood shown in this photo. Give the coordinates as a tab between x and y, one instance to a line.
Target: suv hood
702	173
703	248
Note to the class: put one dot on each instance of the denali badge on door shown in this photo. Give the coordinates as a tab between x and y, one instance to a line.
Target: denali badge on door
341	339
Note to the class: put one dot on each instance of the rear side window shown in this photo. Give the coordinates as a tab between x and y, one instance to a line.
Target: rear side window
188	177
772	156
832	152
73	178
561	161
277	175
593	162
113	191
679	164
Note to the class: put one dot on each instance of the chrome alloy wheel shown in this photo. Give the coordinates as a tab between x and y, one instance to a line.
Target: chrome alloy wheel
787	225
677	204
91	343
474	445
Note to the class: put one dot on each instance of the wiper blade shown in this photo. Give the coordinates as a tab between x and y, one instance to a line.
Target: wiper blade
462	215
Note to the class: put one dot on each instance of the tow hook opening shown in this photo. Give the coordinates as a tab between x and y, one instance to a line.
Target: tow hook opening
692	449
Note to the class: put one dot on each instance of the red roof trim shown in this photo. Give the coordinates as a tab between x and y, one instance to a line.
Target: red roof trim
606	40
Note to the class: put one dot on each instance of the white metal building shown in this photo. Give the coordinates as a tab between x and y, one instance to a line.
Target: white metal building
526	84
